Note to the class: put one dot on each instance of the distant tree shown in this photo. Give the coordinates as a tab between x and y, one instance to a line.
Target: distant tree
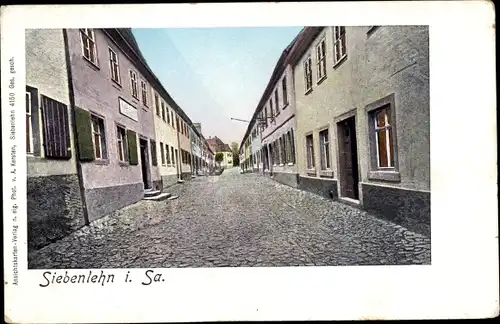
236	160
219	157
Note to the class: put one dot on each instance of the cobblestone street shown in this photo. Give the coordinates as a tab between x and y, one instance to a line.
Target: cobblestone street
235	220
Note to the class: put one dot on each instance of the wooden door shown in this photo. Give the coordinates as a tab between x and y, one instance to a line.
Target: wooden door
348	159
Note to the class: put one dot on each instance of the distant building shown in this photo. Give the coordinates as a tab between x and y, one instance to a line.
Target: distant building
218	146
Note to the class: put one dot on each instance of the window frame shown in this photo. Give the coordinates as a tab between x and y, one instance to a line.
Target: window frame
276	101
308	74
144	93
124	143
29	121
162	155
310	158
284	90
112	64
102	139
375	172
324	148
339	38
134	85
321	60
89	34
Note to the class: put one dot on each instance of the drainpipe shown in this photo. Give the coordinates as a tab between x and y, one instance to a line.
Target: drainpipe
73	125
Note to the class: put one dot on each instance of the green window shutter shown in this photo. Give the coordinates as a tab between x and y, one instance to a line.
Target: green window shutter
84	134
132	148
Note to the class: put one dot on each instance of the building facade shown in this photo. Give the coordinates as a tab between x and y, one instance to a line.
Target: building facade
101	129
218	146
54	197
167	142
114	121
353	123
362	97
275	118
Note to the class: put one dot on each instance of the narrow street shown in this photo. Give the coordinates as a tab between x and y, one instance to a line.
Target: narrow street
235	220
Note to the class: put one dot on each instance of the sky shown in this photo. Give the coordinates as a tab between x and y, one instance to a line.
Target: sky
215	74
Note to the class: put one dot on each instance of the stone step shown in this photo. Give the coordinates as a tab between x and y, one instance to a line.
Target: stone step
173	197
151	193
159	197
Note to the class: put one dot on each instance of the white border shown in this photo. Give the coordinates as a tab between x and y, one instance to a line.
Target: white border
463	279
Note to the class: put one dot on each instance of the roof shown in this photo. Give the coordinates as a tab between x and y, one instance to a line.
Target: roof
290	54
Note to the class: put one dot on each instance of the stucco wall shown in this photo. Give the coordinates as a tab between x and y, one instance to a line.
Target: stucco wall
165	134
391	60
95	91
46	71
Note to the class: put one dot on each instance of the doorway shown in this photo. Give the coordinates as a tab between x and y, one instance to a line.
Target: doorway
348	159
143	143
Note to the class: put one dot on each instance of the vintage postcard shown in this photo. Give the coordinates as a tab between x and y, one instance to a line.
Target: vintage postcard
254	161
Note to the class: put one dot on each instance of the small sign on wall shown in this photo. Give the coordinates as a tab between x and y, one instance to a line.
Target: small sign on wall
128	110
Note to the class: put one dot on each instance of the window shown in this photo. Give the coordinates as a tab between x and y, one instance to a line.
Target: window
383	137
285	94
282	150
324	145
276	102
167	153
177	123
133	84
98	137
265	116
308	74
163	110
88	45
29	128
339	44
310	151
162	153
321	60
173	155
172	118
168	116
144	92
154	156
122	144
289	147
113	65
271	109
176	156
157	104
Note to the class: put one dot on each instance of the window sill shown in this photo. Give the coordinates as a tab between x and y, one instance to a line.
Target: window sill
281	164
391	176
116	84
311	172
308	91
323	78
337	64
285	105
101	161
290	164
326	173
93	65
123	163
135	100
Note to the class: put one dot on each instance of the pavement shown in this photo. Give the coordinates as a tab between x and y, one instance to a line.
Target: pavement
235	220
